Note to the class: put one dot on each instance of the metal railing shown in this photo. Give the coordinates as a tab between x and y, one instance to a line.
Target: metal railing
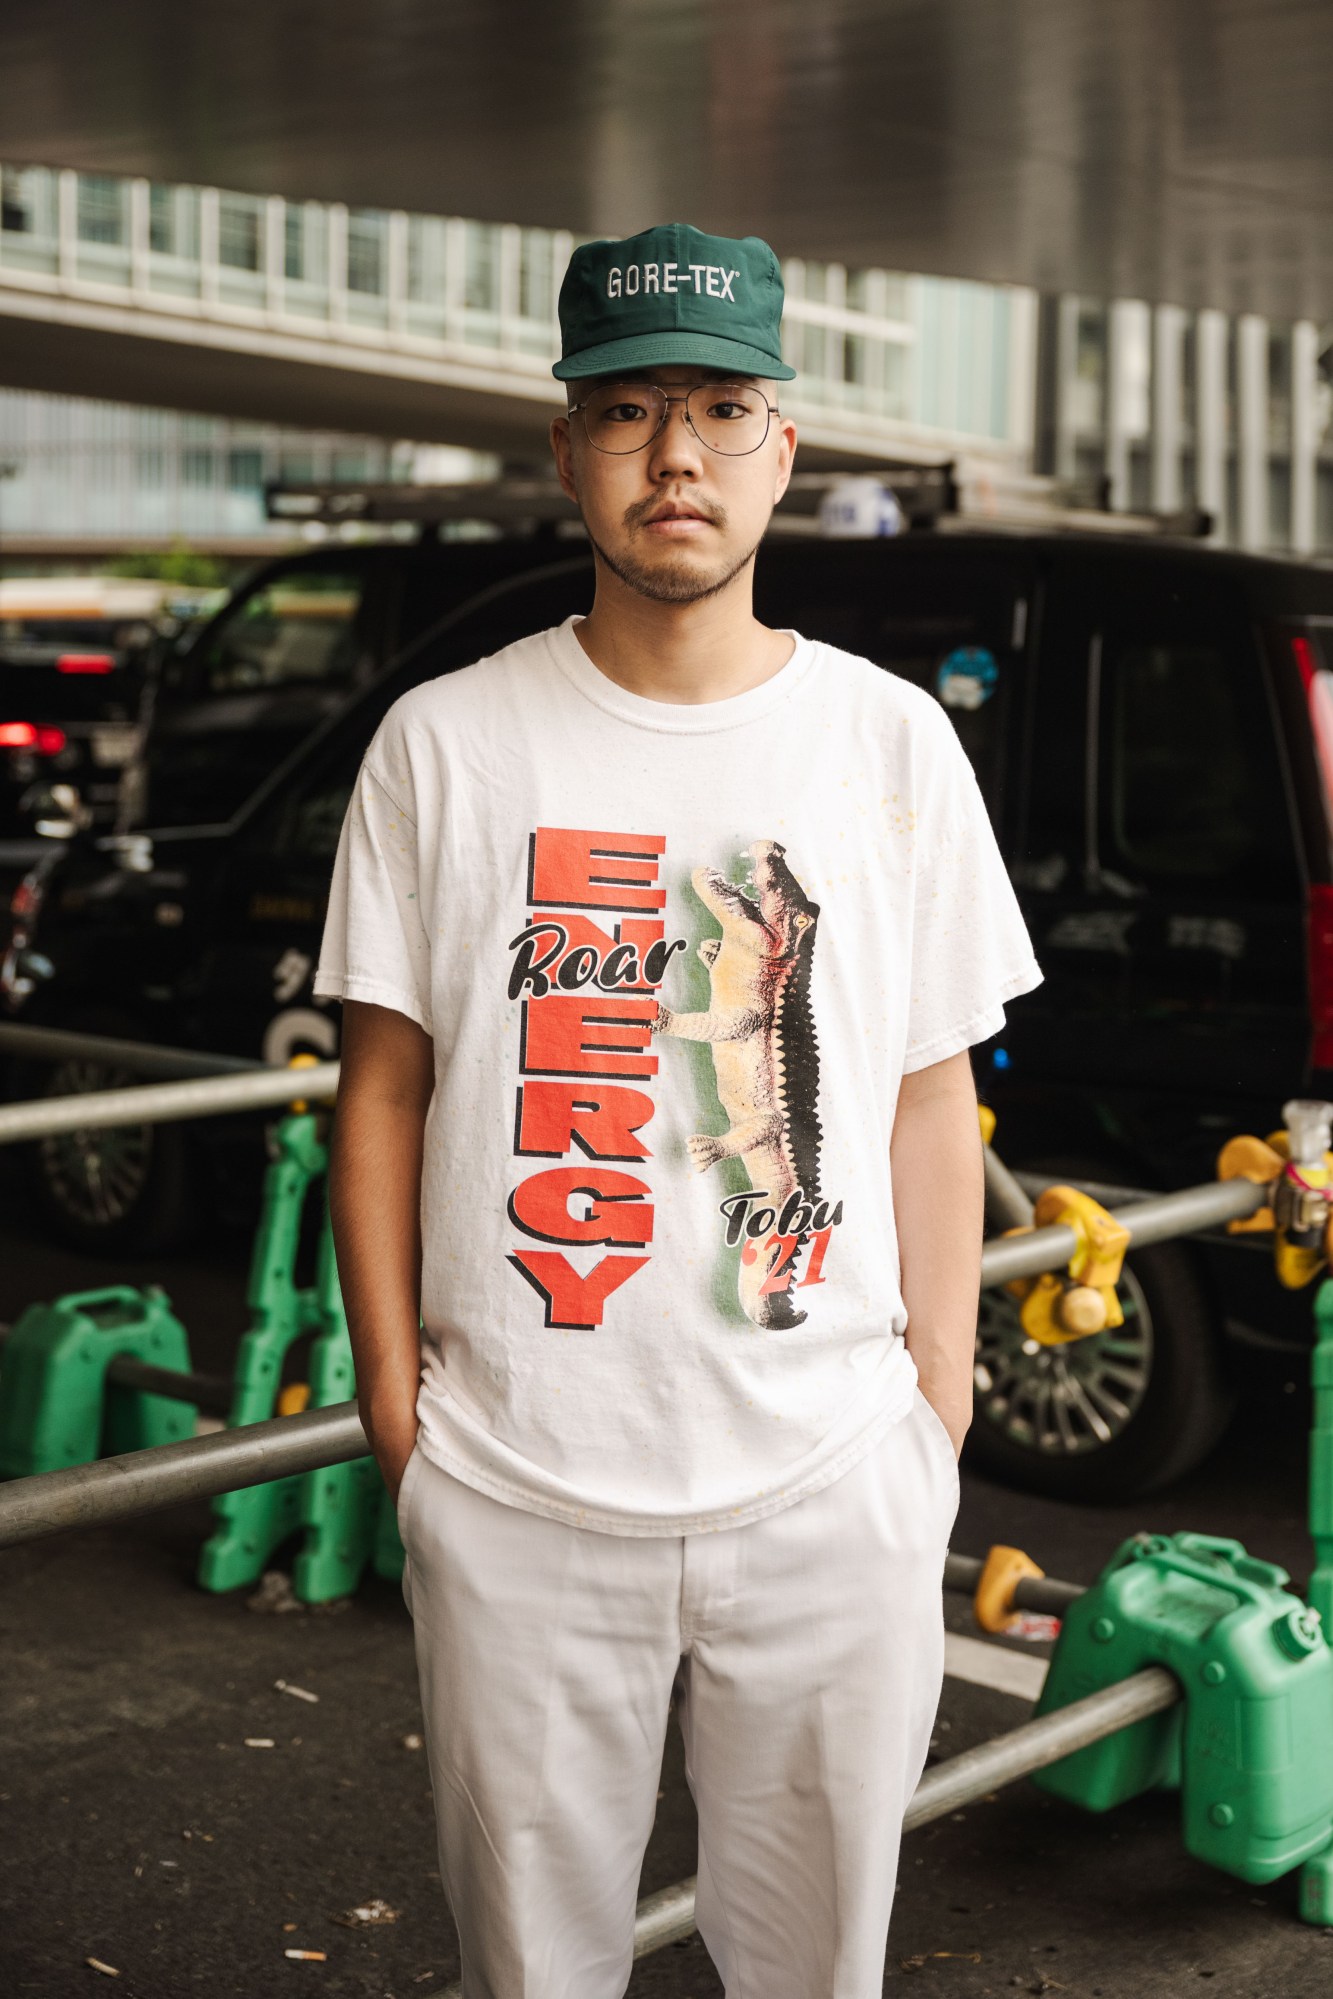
118	1488
404	289
121	1487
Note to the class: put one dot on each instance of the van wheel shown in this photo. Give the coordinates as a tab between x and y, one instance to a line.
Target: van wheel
122	1191
1112	1416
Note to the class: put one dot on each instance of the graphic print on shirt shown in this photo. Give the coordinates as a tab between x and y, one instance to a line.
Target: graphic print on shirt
586	965
760	1029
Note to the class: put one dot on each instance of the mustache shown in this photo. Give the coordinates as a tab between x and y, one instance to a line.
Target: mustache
707	510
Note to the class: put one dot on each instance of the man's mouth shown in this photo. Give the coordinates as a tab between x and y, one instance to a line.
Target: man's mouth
676	518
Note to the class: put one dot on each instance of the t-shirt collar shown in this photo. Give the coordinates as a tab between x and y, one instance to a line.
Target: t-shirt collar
680	718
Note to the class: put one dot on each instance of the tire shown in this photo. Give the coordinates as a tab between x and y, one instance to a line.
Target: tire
121	1192
1113	1416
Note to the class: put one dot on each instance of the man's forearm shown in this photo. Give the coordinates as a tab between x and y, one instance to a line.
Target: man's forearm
938	1197
375	1200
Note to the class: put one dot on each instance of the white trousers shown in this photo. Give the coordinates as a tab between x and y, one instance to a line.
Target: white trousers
806	1654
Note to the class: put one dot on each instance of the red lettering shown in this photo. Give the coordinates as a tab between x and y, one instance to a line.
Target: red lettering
779	1276
601	1119
618	1211
817	1254
573	1302
594	870
587	1035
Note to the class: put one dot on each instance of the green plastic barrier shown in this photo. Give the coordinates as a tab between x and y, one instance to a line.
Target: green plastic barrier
1251	1746
341	1508
57	1407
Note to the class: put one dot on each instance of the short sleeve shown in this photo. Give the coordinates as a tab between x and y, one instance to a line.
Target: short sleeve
970	948
375	944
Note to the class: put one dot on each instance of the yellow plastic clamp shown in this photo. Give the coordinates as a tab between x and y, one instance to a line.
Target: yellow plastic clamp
987	1117
1267	1162
1055	1308
993	1604
1260	1160
306	1062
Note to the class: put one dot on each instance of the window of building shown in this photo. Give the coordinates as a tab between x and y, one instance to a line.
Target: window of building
18	206
536	275
367	258
426	238
245	471
240	232
102	209
151	467
198	466
481	267
1088	389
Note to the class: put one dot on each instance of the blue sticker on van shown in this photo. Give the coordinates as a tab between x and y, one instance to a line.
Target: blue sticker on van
967	677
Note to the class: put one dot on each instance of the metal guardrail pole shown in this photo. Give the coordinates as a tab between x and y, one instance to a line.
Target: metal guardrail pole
1037	1743
1154	1220
669	1915
1110	1193
57	1044
1007	1203
210	1392
963	1572
166	1103
137	1482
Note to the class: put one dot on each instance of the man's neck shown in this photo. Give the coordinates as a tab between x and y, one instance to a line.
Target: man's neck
686	653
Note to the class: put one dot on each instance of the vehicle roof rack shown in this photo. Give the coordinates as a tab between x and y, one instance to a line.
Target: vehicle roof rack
946	495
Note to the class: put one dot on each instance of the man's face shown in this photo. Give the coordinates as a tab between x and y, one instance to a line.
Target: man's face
675	521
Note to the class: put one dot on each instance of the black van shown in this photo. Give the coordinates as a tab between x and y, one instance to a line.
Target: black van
1152	724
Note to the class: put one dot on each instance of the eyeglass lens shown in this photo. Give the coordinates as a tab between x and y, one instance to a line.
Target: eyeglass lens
726	416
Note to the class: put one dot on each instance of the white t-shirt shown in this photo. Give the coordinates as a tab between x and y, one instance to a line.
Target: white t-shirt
675	960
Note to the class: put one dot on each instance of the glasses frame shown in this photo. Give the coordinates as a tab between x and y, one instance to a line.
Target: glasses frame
577	409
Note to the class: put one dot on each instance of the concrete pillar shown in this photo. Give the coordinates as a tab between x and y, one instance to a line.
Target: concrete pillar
1304	434
210	230
1168	343
396	274
1120	320
337	254
1210	418
275	255
140	235
1252	430
67	223
1021	387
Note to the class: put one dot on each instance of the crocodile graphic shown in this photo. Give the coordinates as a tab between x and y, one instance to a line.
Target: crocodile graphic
761	1031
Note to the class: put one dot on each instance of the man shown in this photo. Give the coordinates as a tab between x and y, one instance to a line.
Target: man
662	938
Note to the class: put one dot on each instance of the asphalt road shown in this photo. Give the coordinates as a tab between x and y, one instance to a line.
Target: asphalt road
141	1831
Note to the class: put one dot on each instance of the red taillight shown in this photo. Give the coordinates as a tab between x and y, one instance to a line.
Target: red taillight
86	662
1319	950
39	736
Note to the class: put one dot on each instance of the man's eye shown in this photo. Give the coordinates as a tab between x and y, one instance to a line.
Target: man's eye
728	412
626	413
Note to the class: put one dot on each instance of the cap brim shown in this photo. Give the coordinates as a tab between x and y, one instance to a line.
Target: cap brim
651	350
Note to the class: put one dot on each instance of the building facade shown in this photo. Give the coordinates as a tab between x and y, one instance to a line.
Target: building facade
1138	407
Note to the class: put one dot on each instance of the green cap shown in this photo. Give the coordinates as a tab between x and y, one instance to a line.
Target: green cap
672	294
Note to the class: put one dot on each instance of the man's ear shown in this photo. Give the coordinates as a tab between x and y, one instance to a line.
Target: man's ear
562	449
786	457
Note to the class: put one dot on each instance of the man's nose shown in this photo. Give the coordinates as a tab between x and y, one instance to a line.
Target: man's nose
675	452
